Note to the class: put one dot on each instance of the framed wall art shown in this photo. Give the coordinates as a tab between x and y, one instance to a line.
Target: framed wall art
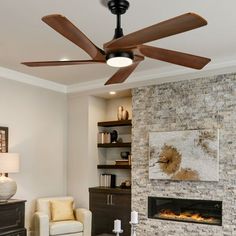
3	139
191	155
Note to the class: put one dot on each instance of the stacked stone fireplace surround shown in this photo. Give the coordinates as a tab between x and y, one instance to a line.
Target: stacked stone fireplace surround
192	104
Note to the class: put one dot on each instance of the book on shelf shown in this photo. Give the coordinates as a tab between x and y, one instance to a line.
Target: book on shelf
108	180
124	161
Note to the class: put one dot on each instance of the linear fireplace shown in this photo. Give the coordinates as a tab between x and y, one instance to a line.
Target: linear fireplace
185	210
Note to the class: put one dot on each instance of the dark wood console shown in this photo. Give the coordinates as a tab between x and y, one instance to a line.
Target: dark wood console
12	218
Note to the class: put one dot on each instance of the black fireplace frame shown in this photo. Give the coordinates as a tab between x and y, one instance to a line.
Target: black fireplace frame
214	206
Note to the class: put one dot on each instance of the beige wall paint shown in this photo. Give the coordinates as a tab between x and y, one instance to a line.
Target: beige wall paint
37	121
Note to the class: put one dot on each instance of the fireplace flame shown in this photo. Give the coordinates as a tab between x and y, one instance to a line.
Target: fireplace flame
169	214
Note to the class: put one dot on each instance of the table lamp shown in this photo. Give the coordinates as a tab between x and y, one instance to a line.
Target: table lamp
9	163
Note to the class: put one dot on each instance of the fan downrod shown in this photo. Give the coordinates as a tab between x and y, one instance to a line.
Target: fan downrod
118	8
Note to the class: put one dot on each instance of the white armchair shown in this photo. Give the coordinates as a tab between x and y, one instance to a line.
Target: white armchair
43	226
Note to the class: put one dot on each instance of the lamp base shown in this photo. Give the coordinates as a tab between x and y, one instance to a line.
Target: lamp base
8	188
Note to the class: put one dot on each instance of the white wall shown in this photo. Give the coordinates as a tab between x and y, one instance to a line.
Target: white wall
84	113
37	121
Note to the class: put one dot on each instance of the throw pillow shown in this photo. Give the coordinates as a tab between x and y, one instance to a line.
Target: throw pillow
62	210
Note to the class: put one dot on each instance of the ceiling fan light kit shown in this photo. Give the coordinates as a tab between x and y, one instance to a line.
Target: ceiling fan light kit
120	59
127	51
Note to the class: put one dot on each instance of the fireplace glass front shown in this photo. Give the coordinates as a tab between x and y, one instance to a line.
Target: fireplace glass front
185	210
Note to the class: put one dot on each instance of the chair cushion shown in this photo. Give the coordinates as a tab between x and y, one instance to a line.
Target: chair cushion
65	227
62	210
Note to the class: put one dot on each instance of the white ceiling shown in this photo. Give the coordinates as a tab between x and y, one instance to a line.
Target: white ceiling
24	37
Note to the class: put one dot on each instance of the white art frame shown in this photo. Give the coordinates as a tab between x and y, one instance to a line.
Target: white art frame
189	155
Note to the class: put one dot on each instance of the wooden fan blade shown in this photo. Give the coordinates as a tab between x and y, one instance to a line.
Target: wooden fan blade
163	29
122	74
174	57
63	26
61	63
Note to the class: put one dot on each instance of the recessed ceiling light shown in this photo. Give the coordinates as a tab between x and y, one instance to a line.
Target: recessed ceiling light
112	93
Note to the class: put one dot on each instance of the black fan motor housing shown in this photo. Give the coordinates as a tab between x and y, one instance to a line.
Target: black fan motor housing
118	7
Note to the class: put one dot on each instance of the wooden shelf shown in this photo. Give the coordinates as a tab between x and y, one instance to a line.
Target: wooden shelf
113	145
115	123
114	167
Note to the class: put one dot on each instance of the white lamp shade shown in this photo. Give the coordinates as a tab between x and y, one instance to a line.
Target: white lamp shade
9	162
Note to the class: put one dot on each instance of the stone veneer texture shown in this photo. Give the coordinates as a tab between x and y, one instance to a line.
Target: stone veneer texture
193	104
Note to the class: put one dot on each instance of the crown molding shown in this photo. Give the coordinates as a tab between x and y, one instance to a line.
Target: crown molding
156	76
137	79
32	80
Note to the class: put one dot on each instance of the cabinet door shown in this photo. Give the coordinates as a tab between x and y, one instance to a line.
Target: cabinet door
101	222
121	205
98	200
121	201
98	204
108	207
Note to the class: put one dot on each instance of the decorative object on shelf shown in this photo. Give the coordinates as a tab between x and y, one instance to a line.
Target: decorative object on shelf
104	137
3	139
134	222
190	155
9	163
125	155
114	136
117	227
125	115
122	114
119	112
126	184
119	140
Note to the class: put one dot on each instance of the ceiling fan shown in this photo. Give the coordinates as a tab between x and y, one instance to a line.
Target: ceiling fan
127	51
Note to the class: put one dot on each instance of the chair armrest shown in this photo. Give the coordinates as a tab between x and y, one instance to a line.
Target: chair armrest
41	224
85	217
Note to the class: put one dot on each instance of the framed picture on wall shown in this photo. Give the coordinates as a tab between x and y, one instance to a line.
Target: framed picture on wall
3	139
190	155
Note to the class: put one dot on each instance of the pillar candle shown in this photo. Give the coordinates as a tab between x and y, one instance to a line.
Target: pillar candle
134	217
117	225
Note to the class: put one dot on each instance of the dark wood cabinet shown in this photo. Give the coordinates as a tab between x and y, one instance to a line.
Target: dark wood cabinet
107	205
12	218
